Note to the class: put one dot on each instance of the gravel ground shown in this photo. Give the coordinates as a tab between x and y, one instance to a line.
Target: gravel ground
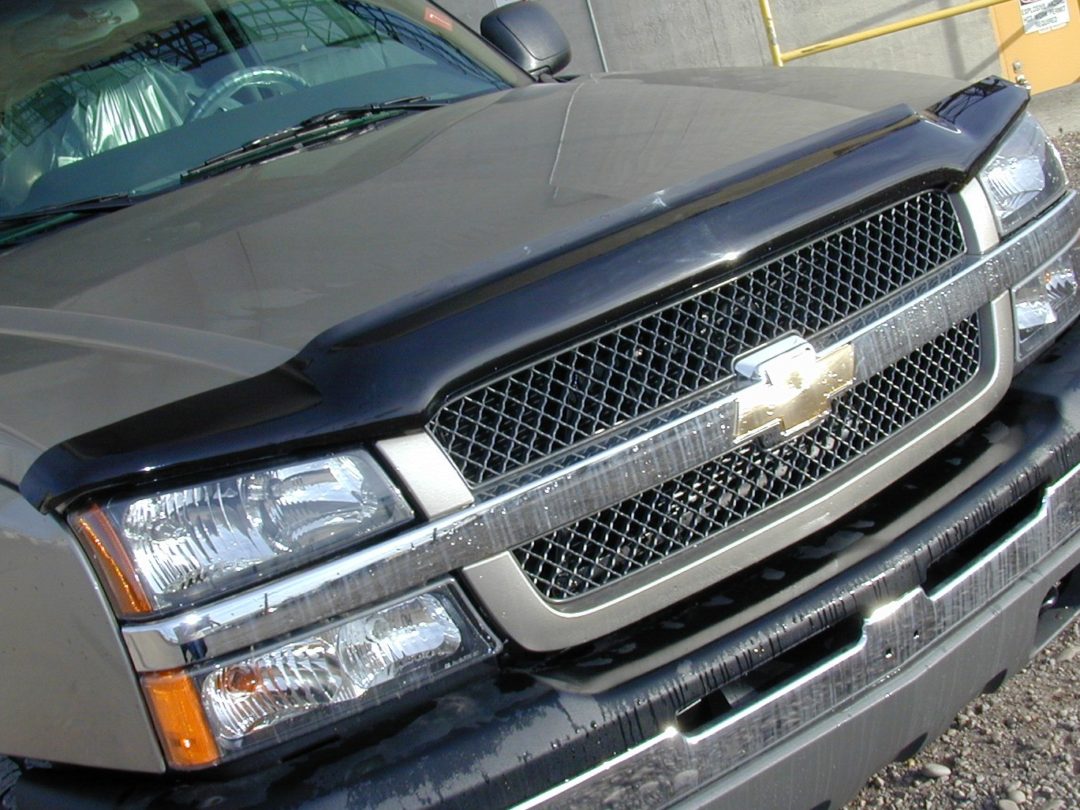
1069	144
1016	749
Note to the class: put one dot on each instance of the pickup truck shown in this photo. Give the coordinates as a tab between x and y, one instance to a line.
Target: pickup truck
388	421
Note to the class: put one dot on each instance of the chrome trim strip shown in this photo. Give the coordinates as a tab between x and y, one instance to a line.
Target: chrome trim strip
427	473
893	637
419	555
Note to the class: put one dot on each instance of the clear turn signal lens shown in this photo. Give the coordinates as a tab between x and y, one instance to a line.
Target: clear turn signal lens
337	666
1044	304
292	688
173	548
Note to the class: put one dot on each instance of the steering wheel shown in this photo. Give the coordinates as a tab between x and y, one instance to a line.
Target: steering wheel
226	86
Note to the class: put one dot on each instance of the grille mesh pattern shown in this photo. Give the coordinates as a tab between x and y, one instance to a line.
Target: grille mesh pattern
639	531
567	398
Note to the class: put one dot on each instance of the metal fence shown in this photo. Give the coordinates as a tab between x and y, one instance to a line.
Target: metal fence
781	57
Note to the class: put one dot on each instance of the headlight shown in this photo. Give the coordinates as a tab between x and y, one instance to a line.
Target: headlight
173	548
1024	176
238	706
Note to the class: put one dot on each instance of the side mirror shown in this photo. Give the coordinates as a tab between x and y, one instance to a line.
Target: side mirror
528	34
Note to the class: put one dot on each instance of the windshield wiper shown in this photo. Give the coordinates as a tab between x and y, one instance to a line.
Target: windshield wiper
23	225
349	114
16	227
87	205
311	130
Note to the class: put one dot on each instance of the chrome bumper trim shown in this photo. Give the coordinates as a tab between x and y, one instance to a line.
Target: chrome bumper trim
894	636
404	562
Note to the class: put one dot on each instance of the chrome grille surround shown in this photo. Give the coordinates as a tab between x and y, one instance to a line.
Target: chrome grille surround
684	348
686	510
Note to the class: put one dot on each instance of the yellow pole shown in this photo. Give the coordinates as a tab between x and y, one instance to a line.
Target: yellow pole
770	33
881	31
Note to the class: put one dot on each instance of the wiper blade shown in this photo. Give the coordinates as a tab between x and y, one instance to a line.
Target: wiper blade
347	114
311	130
17	227
89	205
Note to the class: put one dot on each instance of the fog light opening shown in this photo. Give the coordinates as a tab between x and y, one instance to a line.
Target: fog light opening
1050	601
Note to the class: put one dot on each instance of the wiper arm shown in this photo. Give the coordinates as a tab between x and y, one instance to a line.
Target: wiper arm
311	130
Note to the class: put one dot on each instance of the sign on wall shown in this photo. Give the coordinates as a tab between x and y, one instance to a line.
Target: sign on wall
1041	16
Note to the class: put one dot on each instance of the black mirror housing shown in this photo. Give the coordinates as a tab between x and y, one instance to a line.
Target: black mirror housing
529	36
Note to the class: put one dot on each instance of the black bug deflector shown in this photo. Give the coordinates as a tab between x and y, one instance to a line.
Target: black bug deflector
540	299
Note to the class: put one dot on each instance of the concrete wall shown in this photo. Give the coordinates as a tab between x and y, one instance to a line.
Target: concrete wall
658	34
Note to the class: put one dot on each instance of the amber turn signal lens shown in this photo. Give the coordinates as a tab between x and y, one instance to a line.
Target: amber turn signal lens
178	713
112	561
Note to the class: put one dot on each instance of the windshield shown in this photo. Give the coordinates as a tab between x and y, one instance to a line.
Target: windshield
122	97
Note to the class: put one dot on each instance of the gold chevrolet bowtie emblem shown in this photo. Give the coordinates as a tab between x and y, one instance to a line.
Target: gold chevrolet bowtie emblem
792	387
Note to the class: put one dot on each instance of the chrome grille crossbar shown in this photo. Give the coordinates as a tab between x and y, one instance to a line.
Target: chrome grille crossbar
686	510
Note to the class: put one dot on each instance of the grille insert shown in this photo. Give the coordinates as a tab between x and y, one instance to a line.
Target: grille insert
649	527
570	397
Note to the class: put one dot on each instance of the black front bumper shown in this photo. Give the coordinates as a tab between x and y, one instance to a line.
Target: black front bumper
875	662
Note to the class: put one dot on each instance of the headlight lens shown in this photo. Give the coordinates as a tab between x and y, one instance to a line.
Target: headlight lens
1024	176
173	548
287	689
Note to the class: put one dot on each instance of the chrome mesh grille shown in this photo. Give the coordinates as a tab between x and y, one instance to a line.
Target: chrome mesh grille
642	530
570	397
